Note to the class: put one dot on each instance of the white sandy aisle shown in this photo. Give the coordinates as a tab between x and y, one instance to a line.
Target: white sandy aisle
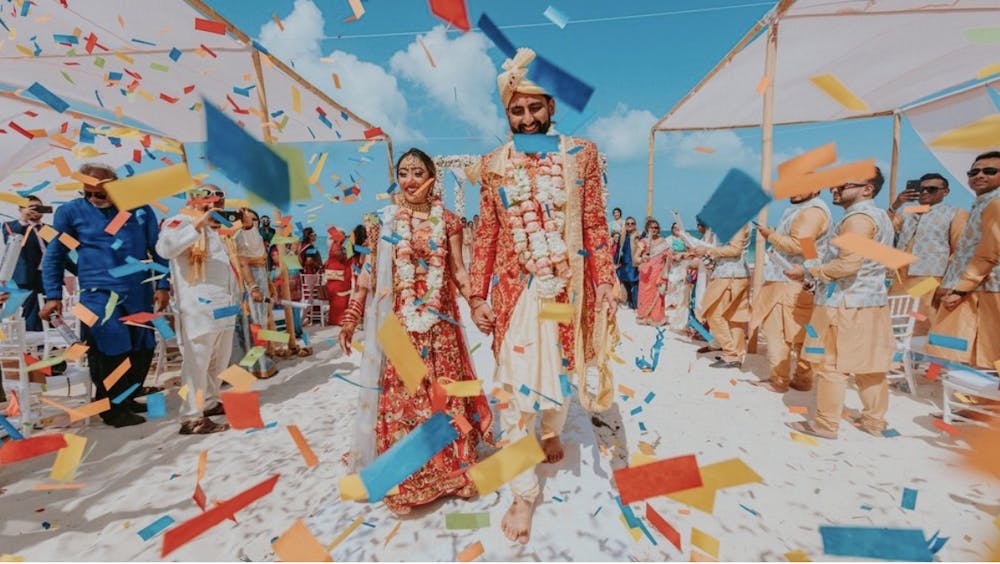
138	474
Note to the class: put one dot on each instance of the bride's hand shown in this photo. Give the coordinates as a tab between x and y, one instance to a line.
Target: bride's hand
346	337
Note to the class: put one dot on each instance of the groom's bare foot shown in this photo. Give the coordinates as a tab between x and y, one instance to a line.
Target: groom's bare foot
516	523
553	449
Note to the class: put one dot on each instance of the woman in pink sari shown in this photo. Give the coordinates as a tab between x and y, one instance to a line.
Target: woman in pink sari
654	264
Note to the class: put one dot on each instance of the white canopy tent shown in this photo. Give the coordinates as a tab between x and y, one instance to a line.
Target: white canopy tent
148	61
887	53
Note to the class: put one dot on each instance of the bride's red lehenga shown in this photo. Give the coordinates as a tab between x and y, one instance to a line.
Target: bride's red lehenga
447	359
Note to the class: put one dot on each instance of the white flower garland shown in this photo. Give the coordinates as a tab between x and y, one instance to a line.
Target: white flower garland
535	212
418	317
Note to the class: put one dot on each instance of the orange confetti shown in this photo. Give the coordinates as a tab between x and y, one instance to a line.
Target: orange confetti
83	314
277	20
426	52
471	552
111	379
707	150
300	441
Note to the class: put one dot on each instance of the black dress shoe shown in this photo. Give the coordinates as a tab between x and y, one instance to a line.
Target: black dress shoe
136	407
217	409
121	419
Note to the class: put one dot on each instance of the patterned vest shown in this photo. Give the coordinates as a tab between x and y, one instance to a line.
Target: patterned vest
929	233
867	287
773	272
967	247
733	267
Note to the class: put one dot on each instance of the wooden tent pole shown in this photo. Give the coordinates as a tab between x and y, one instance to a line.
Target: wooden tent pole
766	163
894	167
649	171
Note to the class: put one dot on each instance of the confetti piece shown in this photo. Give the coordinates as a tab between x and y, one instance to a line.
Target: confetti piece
536	144
988	70
192	528
793	185
238	378
464	389
661	525
357	8
68	458
156	405
734	202
503	466
837	90
721	395
926	285
706	150
556	17
297	544
947	428
48	97
872	250
875	542
343	535
156	527
705	541
399	349
797	556
658	478
69	241
798	409
456	521
554	311
86	316
909	499
140	189
804	439
810	161
300	441
762	85
427	52
242	409
407	456
947	342
471	552
210	26
30	447
452	11
917	209
111	379
48	487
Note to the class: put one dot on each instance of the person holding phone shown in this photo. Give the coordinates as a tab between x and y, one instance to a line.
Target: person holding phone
28	273
931	233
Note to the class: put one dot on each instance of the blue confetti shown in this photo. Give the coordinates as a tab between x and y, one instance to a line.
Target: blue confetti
124	395
156	527
909	499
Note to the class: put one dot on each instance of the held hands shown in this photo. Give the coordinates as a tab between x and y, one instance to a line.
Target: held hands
765	231
483	316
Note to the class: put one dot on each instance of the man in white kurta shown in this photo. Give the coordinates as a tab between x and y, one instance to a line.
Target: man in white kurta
204	282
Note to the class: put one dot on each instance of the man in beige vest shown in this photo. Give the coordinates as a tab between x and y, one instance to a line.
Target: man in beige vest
851	316
931	235
970	290
726	304
782	307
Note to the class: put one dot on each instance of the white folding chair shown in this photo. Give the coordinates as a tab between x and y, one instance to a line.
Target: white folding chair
319	309
975	383
902	330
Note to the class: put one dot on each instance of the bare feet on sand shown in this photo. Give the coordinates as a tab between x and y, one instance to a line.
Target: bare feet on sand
516	523
553	449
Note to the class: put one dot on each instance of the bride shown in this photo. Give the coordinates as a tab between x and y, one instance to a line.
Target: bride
412	270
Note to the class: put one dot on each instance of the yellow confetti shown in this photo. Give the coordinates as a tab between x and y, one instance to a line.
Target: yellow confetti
836	89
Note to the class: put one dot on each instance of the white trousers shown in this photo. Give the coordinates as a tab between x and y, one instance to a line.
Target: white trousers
203	359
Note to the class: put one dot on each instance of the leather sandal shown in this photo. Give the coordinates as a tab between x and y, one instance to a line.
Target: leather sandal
203	426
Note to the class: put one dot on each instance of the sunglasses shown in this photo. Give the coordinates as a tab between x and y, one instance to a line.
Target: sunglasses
988	171
847	185
87	194
930	189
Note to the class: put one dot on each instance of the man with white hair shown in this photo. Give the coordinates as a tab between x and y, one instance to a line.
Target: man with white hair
110	288
543	233
203	272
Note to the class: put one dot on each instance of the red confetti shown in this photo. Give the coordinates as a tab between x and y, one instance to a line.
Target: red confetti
209	51
242	409
373	132
658	478
661	525
933	372
947	428
21	130
23	449
189	89
452	11
211	26
168	99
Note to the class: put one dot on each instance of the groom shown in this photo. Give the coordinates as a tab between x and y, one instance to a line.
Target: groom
541	240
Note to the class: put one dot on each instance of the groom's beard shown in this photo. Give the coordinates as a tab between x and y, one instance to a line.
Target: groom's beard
543	128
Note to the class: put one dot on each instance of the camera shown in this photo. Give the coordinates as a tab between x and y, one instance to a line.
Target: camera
232	216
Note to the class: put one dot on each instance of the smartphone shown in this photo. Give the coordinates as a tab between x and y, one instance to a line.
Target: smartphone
912	186
42	209
232	216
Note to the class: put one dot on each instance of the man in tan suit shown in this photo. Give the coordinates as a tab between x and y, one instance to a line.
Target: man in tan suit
726	304
782	307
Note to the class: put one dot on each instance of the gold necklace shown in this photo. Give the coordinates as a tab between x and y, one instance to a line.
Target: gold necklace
424	207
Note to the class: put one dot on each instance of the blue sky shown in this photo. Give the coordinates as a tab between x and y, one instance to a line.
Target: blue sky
639	66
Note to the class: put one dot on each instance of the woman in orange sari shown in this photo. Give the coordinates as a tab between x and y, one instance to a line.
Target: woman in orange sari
654	260
337	277
412	270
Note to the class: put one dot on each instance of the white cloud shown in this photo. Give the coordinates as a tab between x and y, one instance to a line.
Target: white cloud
624	134
730	151
366	88
463	80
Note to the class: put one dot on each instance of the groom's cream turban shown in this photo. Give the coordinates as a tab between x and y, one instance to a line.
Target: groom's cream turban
514	77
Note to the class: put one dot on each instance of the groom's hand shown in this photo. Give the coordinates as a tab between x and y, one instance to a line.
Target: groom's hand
483	316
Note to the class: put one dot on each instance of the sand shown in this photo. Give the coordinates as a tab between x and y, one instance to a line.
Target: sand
136	475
